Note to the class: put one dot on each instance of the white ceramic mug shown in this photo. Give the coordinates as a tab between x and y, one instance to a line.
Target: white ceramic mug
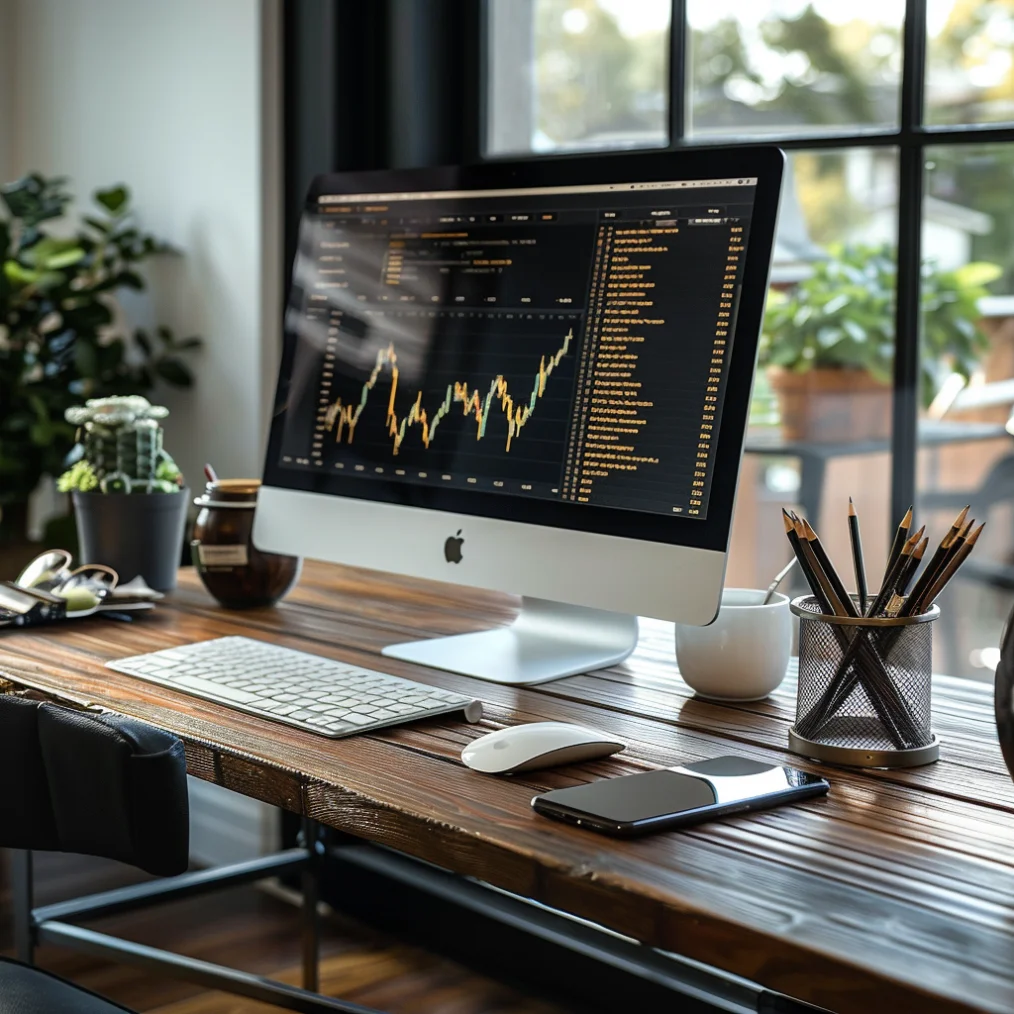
743	655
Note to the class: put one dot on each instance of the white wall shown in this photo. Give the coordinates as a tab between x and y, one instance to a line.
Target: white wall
8	38
176	99
180	99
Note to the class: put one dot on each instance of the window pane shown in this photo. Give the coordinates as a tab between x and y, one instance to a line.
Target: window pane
970	66
793	66
821	416
966	454
568	75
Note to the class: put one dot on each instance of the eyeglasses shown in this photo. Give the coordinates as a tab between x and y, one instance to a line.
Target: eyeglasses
51	571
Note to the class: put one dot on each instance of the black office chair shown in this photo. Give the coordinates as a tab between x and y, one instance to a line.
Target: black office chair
98	785
108	786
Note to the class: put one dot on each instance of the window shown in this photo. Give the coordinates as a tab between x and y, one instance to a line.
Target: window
572	76
898	208
970	75
784	67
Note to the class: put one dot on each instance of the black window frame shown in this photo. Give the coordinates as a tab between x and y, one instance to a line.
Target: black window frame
911	138
394	83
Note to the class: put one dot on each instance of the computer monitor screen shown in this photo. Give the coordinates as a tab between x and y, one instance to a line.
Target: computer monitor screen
567	345
564	348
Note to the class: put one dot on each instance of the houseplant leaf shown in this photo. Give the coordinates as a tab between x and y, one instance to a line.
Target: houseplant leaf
114	199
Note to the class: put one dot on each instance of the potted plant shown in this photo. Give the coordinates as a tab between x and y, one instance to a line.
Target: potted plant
129	498
828	344
62	334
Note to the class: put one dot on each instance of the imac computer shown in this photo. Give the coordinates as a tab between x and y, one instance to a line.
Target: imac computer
529	377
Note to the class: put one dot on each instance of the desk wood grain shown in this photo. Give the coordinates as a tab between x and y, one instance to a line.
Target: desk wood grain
893	894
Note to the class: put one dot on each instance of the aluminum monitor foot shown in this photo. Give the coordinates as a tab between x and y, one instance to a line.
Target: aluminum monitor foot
547	641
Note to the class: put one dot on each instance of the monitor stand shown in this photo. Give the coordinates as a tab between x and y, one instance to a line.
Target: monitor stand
547	641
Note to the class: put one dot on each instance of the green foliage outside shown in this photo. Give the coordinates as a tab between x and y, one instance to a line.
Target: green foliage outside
595	81
797	72
842	316
59	337
829	74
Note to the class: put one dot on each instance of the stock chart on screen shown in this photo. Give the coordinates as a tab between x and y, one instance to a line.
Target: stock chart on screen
567	343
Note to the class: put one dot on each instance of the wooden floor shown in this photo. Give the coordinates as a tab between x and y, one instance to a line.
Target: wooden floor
247	928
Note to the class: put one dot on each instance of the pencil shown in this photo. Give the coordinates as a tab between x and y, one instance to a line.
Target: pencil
858	563
950	568
892	576
897	599
913	567
959	523
840	591
804	562
938	560
810	566
900	538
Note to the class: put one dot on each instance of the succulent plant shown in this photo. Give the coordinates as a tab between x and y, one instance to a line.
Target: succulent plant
119	448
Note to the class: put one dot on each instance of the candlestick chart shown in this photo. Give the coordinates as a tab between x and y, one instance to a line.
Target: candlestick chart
477	402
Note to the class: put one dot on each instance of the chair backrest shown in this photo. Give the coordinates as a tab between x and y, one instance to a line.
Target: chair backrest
102	785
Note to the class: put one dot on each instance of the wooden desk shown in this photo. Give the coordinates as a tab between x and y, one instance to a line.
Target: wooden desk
894	894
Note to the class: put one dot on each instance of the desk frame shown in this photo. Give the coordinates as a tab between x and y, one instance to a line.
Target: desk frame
57	924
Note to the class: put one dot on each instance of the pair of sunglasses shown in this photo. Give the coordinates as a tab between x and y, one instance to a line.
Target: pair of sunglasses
52	570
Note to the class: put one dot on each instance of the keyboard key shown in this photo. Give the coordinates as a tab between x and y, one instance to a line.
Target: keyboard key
358	720
215	689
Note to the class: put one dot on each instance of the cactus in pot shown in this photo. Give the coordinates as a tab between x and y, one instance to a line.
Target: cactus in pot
118	459
120	448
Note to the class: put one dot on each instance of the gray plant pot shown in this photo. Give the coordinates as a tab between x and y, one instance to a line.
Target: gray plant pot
134	533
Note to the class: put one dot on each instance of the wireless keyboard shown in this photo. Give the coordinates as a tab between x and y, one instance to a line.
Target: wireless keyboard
317	694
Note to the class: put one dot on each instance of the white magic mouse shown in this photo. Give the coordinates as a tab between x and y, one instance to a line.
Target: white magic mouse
537	745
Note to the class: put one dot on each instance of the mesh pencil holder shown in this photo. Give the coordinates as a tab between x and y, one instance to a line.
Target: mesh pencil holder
864	690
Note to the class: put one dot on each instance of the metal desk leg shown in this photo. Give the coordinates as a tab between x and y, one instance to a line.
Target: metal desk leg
311	835
21	896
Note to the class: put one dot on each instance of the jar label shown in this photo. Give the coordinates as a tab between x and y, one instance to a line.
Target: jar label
223	556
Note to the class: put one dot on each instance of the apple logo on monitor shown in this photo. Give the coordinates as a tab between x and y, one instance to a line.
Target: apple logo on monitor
452	548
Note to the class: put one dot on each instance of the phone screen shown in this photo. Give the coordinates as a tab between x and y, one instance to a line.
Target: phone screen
723	784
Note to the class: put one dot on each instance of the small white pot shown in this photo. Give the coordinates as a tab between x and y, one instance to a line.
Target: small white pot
743	655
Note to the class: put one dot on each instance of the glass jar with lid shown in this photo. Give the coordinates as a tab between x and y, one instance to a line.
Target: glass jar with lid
233	569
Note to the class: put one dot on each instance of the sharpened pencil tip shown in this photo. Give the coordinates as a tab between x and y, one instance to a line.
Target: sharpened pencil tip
811	535
970	541
852	508
787	521
906	521
960	519
921	549
914	540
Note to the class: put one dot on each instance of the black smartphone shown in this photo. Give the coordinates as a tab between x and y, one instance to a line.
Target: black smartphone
678	797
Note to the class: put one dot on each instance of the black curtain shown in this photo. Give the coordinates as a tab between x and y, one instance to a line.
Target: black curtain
373	84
